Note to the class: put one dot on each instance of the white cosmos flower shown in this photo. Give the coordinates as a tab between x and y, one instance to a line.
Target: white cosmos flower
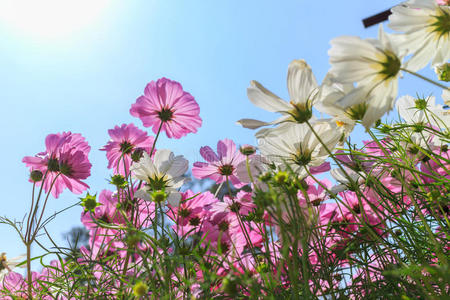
330	92
295	146
7	265
165	172
422	111
375	66
426	31
346	178
302	87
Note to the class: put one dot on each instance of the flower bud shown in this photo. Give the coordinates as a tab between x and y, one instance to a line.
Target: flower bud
133	239
229	286
443	72
36	175
137	154
281	177
89	202
247	150
140	289
262	268
265	177
119	181
434	195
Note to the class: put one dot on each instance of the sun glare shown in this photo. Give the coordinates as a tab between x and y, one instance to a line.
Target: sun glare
49	18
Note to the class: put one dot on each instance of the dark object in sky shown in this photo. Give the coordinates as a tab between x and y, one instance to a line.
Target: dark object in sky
378	18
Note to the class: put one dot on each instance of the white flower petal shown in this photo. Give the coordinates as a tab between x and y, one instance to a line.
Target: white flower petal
178	167
143	194
264	99
174	198
301	82
163	160
251	123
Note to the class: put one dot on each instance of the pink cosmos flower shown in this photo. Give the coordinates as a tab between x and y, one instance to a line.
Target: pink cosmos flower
223	231
124	141
224	225
14	284
107	211
354	215
438	168
316	193
192	211
242	204
165	104
219	166
64	163
104	239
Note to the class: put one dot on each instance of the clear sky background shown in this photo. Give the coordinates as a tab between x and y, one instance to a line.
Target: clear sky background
78	66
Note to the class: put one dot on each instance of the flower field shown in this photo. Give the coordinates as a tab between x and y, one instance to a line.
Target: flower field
305	213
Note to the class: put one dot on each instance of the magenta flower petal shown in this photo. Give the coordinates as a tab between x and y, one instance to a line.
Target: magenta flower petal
64	163
208	154
124	141
219	166
164	101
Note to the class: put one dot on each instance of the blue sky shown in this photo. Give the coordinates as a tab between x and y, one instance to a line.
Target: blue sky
86	79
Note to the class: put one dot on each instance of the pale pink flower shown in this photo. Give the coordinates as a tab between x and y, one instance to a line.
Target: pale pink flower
124	141
223	230
316	193
64	163
165	104
14	284
106	211
221	166
225	224
192	211
102	238
242	204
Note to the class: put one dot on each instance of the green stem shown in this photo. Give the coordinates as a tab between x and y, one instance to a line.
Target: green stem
426	79
247	164
38	223
156	138
33	210
30	295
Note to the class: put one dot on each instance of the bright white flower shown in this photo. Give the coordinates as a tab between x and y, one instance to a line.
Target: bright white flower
422	111
7	265
426	31
302	87
346	179
295	146
375	66
329	93
163	173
